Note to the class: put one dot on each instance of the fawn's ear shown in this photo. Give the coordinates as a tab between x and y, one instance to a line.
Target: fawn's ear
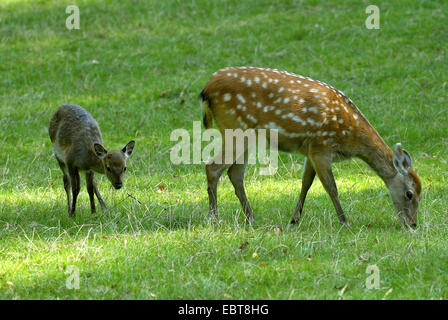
127	150
402	160
99	150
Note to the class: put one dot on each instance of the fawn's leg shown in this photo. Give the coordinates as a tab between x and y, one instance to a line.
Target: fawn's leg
236	175
322	165
90	178
76	186
98	195
307	180
67	185
91	190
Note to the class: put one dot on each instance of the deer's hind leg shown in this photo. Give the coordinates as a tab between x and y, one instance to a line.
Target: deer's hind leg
67	184
236	176
76	186
234	158
214	170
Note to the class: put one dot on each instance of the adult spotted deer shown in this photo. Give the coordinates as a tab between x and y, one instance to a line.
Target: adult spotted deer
312	118
78	146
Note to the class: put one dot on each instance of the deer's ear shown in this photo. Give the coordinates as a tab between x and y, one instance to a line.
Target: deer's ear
402	160
100	151
127	150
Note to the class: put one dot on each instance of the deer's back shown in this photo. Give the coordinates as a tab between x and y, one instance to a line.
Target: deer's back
72	128
303	110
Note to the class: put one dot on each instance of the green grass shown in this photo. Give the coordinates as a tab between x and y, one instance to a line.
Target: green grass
154	58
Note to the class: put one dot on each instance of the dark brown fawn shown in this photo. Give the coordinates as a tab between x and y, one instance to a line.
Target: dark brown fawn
78	146
312	118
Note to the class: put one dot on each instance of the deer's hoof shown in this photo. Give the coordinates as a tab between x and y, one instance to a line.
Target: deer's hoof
294	221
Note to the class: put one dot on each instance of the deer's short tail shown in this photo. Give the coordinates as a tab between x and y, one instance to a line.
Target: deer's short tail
207	113
54	124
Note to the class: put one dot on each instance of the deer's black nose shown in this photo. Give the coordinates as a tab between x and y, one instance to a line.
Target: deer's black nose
414	225
118	185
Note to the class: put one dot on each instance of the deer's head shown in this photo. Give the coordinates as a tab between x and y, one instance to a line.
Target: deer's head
405	187
114	162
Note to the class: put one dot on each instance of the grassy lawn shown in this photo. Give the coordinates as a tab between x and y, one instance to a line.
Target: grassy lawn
138	67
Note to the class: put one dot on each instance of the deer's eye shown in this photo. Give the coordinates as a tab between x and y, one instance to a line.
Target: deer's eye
124	169
108	169
409	194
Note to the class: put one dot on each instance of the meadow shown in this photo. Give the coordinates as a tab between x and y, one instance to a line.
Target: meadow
138	67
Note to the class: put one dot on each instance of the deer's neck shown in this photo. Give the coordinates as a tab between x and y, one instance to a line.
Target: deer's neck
377	154
100	168
96	164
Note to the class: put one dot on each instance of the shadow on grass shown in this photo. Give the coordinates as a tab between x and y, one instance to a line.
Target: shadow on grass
129	215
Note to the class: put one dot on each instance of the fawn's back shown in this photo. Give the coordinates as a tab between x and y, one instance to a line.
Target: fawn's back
73	132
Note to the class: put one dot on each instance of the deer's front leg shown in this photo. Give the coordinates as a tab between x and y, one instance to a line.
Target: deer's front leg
307	180
322	165
96	192
98	195
91	190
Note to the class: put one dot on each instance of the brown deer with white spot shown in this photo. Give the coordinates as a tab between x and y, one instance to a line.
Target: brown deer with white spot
312	118
78	146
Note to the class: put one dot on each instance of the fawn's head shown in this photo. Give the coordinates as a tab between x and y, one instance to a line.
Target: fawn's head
114	162
405	187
